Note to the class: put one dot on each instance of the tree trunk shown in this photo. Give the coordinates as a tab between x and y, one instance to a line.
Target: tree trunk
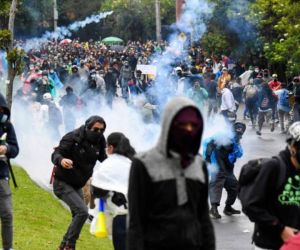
11	69
9	86
158	20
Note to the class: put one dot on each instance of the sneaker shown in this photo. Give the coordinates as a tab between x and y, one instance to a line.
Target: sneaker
214	212
228	210
272	127
90	219
69	248
258	132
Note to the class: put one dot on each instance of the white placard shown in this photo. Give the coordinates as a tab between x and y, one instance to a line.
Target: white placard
146	69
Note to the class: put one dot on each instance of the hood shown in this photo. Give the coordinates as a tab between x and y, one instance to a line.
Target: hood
173	107
3	104
93	119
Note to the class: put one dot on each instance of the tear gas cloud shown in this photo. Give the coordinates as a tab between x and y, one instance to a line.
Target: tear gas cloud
242	27
62	32
192	25
36	143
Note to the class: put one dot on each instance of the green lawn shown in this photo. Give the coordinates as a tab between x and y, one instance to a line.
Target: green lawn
40	220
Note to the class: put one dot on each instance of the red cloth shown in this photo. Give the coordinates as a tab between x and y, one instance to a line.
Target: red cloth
292	244
274	85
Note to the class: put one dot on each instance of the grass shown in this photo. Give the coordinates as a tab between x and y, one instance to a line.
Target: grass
40	221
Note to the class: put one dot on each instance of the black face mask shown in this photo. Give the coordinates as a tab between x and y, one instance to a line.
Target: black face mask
93	136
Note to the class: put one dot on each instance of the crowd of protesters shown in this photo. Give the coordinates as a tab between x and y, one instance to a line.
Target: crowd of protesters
75	74
65	79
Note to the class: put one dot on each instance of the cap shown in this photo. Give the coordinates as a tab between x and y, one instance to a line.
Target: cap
274	76
224	69
47	96
178	69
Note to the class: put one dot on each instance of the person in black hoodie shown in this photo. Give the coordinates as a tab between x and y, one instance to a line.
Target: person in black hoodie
8	149
274	207
168	187
75	158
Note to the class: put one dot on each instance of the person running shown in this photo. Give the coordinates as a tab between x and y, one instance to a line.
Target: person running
266	102
224	157
75	158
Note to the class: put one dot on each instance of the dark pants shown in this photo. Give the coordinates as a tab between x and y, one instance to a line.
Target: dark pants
251	106
296	112
212	106
74	199
6	215
119	232
284	116
223	179
265	116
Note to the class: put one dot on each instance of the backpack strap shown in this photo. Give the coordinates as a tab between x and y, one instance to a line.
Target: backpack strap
5	130
282	171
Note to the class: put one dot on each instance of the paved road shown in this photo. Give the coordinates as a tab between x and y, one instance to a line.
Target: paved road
234	233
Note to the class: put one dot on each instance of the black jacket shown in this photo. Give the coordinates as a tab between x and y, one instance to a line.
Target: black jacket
273	208
159	223
84	155
168	204
11	140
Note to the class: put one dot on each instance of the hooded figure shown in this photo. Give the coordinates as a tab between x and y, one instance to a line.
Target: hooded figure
75	158
8	149
168	186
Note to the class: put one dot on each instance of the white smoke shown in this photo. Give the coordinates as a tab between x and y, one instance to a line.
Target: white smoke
195	13
62	32
35	142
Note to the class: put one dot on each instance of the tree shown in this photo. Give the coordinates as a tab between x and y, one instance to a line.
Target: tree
14	55
135	19
279	25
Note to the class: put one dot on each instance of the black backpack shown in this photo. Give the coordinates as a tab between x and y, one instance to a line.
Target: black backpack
249	173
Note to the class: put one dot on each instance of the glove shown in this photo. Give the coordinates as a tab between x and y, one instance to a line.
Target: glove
119	199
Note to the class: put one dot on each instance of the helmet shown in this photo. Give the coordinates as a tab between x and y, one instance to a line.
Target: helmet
47	96
294	132
274	76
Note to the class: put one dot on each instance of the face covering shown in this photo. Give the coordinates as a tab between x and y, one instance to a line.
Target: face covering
3	118
93	136
185	142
